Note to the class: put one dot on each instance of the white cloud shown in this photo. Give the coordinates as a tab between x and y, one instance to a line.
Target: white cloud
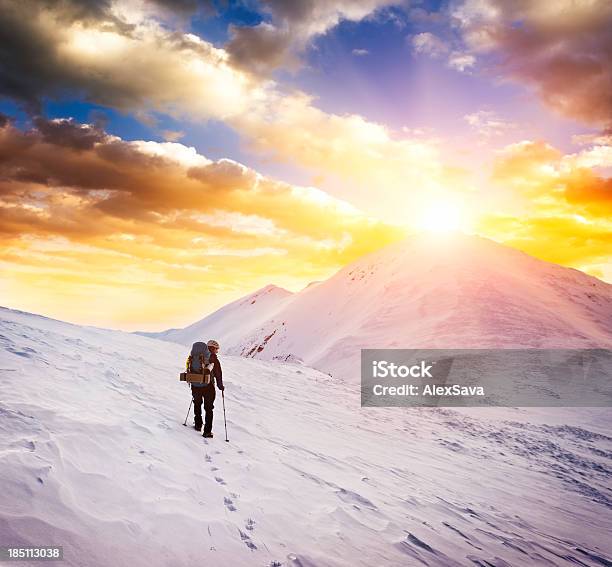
185	155
488	124
430	44
241	223
461	61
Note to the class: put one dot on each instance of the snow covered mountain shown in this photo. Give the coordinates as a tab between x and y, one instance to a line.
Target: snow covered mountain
94	457
233	321
455	291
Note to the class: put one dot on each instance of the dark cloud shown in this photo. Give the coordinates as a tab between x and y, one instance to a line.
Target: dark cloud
4	120
562	49
187	7
260	48
36	61
30	67
269	45
69	133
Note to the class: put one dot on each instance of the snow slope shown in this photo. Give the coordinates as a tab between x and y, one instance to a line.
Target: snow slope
229	324
459	292
94	457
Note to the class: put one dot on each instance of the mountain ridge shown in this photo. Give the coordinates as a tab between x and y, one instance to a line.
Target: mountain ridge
428	292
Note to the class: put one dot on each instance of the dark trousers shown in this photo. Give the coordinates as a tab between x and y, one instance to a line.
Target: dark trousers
204	394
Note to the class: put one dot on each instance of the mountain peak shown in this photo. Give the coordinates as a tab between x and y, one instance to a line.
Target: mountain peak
426	291
437	291
271	288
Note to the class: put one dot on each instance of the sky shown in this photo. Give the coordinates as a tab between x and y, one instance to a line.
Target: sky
159	159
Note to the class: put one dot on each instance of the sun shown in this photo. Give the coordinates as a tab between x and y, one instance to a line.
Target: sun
441	216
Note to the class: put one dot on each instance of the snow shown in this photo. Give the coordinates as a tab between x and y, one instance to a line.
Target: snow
231	322
444	291
95	458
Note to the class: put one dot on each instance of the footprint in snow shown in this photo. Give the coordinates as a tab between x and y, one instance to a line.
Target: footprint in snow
247	540
250	524
207	458
219	480
213	469
19	352
229	504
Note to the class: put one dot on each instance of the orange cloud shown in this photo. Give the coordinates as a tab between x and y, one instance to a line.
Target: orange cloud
585	188
130	60
563	208
81	210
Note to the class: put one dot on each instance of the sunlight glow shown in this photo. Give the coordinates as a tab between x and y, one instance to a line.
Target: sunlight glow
441	216
89	42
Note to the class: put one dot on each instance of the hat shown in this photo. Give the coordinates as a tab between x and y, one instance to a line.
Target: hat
212	343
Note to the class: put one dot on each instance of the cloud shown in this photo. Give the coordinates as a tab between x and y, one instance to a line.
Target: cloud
155	183
599	155
594	192
172	135
461	61
349	147
360	52
270	45
68	133
565	183
261	48
566	239
566	205
562	207
603	138
562	49
131	61
430	44
488	124
527	166
125	61
147	214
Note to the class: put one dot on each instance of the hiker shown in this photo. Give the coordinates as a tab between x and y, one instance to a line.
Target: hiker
206	392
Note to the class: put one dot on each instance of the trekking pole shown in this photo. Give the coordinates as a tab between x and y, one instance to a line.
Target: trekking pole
224	420
187	416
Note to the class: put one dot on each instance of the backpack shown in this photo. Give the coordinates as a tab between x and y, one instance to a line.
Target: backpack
198	359
197	372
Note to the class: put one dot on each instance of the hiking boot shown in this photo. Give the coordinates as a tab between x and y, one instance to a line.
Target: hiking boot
209	434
